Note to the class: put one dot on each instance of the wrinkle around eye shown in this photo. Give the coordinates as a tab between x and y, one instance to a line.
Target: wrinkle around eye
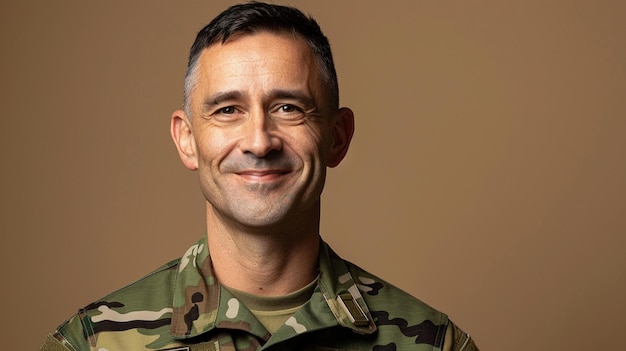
223	114
289	111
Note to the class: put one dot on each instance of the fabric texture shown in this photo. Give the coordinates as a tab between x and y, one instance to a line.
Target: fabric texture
181	306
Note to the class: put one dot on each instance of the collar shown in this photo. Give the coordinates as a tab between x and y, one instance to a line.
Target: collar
201	304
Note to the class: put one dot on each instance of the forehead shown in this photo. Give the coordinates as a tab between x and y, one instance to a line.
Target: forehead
264	53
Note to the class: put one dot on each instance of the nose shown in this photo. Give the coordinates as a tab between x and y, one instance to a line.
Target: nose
259	136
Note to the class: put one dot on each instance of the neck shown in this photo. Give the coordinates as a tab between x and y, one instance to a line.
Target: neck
268	261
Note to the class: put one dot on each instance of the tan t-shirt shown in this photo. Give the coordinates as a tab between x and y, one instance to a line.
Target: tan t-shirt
273	311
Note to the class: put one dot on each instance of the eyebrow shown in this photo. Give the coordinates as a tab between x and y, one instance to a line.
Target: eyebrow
298	95
222	96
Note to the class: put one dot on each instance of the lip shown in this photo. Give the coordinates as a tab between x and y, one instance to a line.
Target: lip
262	175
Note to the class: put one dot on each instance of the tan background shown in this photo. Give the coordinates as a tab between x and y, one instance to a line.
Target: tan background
487	174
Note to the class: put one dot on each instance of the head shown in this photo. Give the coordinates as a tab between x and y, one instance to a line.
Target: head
266	122
255	17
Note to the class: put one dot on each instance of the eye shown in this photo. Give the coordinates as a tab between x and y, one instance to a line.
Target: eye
288	108
289	112
228	110
226	114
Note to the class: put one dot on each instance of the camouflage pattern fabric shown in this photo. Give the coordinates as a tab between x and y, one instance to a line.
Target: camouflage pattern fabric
181	307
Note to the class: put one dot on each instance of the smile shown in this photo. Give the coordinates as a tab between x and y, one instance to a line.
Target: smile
262	175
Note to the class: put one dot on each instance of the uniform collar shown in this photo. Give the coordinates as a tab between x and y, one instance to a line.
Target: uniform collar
200	304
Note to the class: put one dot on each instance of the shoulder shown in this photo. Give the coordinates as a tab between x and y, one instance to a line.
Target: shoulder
392	306
381	297
143	293
147	300
401	318
379	294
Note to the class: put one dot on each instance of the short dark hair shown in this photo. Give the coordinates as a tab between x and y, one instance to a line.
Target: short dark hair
255	17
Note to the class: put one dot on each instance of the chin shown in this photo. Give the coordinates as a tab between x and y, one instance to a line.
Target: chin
262	218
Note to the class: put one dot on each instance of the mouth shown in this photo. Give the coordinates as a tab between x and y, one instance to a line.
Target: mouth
257	176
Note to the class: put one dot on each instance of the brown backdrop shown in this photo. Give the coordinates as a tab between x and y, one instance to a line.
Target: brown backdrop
487	174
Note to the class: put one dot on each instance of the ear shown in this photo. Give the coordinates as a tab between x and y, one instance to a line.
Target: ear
182	135
342	132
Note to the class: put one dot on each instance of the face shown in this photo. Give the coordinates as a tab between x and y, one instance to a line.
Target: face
261	131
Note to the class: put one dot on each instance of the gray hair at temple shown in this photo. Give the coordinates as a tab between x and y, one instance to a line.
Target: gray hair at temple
255	17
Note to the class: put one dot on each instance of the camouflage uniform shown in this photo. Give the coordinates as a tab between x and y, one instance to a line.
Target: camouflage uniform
181	306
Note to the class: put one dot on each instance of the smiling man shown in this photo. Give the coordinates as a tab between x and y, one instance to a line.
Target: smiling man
261	123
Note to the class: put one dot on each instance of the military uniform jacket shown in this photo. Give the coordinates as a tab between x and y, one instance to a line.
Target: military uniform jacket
181	307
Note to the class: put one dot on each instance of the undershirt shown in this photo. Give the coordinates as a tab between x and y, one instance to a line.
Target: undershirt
273	311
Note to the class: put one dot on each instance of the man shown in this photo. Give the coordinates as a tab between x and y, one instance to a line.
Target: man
261	123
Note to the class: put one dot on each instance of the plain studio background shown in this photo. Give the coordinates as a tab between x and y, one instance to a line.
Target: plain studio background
487	175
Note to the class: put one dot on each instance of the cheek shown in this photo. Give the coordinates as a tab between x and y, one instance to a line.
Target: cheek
309	146
213	145
320	142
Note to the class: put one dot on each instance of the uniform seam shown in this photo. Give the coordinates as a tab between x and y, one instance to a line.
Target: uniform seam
63	340
441	332
467	340
90	335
